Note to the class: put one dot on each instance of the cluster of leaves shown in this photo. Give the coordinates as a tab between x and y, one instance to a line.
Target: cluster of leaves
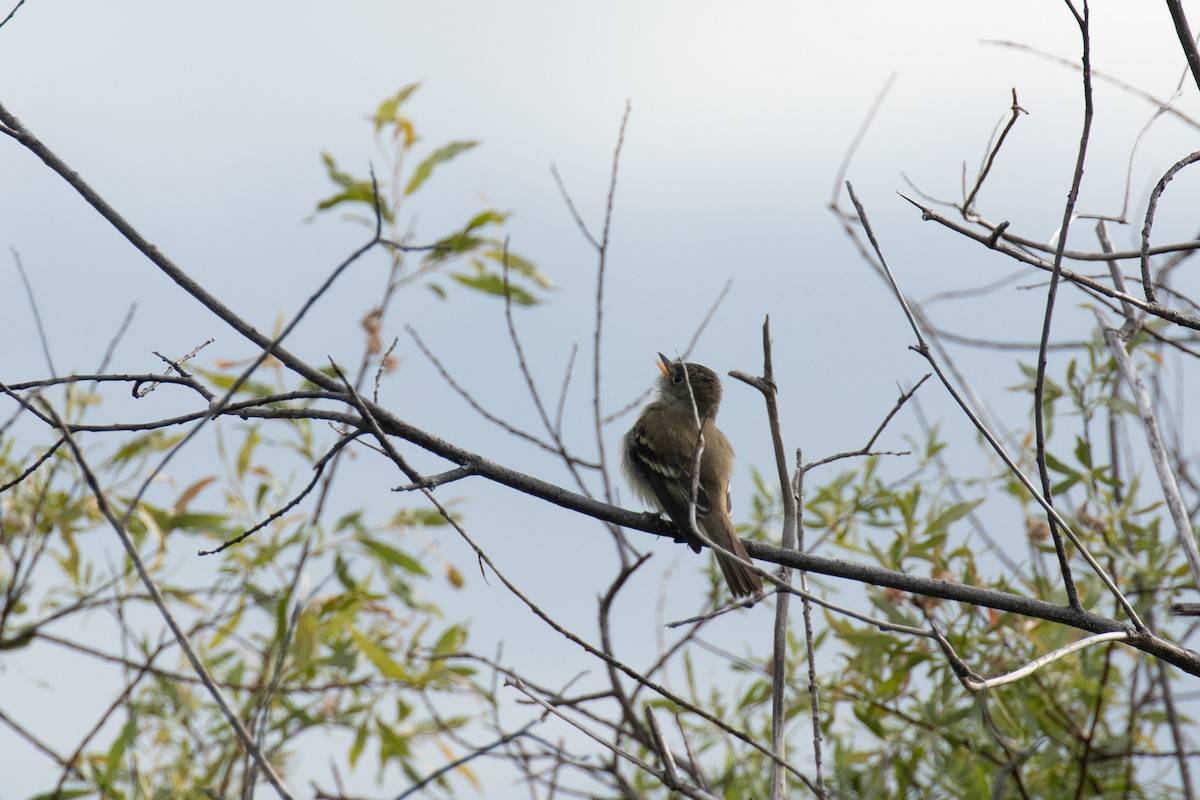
492	268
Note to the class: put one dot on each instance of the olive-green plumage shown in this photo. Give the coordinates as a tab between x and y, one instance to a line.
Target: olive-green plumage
660	449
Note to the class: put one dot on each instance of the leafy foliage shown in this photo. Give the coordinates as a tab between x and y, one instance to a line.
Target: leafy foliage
480	242
356	652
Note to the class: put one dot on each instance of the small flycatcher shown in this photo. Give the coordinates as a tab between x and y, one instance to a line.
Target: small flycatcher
658	453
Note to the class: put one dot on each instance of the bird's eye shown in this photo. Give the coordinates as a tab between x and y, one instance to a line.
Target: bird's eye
678	378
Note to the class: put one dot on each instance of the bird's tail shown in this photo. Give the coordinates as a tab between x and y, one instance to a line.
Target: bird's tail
742	580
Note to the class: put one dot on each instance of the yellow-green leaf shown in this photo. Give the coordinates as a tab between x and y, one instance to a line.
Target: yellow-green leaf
387	666
442	154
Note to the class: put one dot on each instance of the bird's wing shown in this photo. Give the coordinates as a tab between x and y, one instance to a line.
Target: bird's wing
669	476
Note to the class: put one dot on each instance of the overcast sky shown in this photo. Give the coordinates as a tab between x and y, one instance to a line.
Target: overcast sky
203	124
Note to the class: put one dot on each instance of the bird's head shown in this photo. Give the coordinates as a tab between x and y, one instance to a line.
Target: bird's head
677	377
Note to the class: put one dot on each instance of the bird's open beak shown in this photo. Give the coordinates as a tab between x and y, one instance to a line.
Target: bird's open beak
664	364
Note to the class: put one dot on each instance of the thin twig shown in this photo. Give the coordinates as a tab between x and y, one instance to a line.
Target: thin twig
682	788
33	306
766	385
143	388
566	196
116	339
1002	231
1126	87
556	448
33	467
865	450
810	646
4	21
839	180
318	470
602	263
562	393
1177	734
875	622
635	729
976	684
1187	42
458	762
1132	316
117	702
1039	384
660	746
1083	281
991	157
1151	208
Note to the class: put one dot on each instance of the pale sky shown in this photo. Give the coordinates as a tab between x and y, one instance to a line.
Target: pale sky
203	124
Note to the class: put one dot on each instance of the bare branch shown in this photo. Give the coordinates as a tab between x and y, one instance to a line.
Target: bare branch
1158	453
602	255
682	788
991	157
1151	208
1039	385
865	450
791	521
32	468
839	180
1187	42
1185	770
975	683
33	306
1082	281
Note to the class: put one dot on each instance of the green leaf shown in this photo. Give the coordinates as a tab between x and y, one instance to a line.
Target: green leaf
394	556
387	112
493	284
223	381
64	794
1083	453
354	190
246	451
466	239
193	521
117	752
345	577
520	265
152	442
952	514
21	639
387	666
451	640
442	154
359	743
1058	466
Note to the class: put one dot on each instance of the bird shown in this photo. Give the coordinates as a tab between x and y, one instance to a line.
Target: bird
658	454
